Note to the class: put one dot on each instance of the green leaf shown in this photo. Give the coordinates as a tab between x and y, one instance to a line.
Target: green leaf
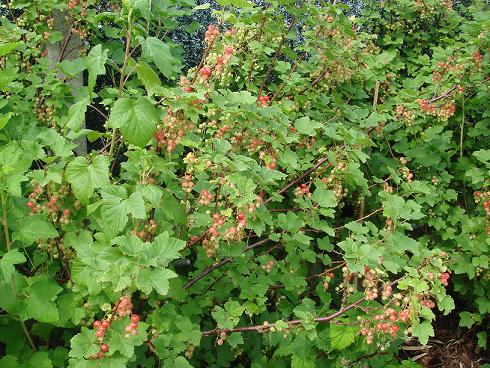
482	339
423	331
95	63
324	198
149	78
157	279
9	259
373	120
34	228
84	176
385	58
482	155
84	344
164	249
307	126
116	207
39	303
76	114
467	319
7	48
342	336
5	119
136	118
160	54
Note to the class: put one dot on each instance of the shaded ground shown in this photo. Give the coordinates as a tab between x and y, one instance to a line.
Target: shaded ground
451	347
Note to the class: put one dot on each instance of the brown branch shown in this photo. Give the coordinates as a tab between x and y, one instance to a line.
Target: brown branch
224	261
206	53
299	179
61	55
293	69
444	95
263	328
197	239
273	61
259	36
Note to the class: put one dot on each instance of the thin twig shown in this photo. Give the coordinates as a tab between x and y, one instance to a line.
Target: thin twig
273	61
224	261
263	328
299	179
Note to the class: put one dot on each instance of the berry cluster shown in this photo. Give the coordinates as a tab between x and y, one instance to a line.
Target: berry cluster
370	284
334	181
73	3
187	183
303	190
101	328
328	278
189	351
147	232
43	111
222	338
221	229
40	200
478	58
444	277
269	265
132	327
264	100
123	309
482	197
406	115
408	174
205	198
124	306
443	110
173	128
387	187
444	68
56	248
383	324
211	33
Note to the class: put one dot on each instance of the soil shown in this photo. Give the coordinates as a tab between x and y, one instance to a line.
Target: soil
451	347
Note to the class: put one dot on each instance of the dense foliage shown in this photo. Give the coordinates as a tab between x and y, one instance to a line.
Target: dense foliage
312	193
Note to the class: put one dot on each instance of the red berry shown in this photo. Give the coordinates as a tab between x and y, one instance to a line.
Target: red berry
105	324
394	329
99	333
159	135
97	324
205	72
135	318
240	216
30	204
66	212
104	348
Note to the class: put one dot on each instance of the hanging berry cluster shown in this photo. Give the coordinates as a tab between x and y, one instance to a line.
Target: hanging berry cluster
334	181
173	128
40	200
122	309
441	110
147	232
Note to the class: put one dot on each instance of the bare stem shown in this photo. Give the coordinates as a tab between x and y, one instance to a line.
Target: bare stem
263	328
121	77
3	199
